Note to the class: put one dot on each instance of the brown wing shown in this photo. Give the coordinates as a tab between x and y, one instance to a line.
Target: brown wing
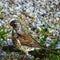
25	39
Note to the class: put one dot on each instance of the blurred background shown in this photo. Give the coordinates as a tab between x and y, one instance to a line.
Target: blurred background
40	18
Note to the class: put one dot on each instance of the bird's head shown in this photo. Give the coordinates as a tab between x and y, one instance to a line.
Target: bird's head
16	26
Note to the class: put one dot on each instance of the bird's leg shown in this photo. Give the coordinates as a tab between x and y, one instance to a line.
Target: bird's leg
28	55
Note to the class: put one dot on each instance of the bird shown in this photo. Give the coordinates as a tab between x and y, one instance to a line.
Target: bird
23	41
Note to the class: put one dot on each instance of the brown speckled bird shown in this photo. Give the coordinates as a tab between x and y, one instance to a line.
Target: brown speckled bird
21	39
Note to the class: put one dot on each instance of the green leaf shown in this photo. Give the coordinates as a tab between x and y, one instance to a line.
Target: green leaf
2	32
